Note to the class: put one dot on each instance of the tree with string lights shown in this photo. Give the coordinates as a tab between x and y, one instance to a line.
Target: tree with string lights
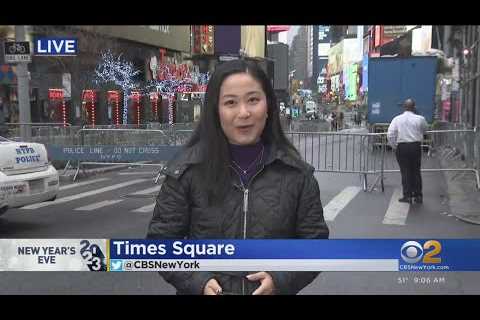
121	72
169	83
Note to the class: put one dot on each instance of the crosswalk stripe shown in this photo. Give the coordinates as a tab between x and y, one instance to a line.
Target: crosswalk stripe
74	185
148	208
155	189
397	212
98	205
151	173
84	194
340	201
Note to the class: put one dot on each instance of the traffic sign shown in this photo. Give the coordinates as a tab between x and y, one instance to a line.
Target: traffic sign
17	51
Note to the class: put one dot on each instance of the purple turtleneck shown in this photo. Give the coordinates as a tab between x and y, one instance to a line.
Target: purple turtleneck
248	158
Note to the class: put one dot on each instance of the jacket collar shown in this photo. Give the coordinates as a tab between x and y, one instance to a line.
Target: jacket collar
188	156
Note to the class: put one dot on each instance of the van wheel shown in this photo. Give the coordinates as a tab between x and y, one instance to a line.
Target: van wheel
52	199
3	210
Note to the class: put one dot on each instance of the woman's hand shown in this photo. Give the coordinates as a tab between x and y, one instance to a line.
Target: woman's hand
266	287
212	288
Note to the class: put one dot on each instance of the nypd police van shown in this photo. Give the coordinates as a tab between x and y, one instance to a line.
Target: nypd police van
26	175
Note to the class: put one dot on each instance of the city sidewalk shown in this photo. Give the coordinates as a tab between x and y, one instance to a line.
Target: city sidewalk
463	195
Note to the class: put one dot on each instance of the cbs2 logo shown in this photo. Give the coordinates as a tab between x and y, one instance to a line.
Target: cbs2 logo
92	254
413	252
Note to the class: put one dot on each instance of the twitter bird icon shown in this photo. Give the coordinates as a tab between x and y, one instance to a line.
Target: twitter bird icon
116	265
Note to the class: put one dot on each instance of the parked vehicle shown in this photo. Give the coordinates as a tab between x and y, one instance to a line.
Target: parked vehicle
26	175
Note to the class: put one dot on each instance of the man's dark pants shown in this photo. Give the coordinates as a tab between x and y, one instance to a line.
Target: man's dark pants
409	157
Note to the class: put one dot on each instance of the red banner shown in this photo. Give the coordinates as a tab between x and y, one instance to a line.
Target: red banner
277	28
113	95
88	95
55	94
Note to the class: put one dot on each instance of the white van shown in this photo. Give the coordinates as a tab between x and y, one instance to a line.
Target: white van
26	175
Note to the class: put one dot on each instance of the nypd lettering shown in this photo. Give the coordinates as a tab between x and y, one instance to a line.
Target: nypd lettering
26	155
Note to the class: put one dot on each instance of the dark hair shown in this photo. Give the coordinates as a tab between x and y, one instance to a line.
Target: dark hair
211	138
409	104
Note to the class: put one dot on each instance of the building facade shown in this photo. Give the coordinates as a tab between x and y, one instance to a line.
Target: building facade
63	88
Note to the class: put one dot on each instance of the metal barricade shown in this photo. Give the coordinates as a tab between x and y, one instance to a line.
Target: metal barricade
131	141
339	152
133	137
370	153
46	133
336	152
439	145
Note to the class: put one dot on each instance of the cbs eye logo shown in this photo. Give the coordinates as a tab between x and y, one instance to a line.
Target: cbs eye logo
413	252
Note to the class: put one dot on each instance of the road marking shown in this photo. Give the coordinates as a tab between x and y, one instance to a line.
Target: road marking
148	208
155	189
73	185
397	212
84	194
151	173
98	205
339	202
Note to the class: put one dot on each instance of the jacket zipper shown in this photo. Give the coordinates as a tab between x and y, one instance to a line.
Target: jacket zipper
245	210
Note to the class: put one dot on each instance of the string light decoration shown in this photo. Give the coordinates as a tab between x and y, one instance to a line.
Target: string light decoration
138	110
117	112
119	71
136	101
64	113
170	98
57	95
172	80
90	95
154	101
92	107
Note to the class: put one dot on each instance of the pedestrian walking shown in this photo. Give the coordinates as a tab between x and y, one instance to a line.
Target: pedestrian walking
231	181
356	115
288	112
405	134
340	121
332	118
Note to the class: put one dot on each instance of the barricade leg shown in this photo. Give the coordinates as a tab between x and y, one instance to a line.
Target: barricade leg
76	172
478	179
67	166
374	184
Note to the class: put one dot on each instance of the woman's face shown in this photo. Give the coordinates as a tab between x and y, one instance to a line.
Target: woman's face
242	109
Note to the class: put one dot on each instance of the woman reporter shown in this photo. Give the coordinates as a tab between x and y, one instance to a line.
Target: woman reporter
239	178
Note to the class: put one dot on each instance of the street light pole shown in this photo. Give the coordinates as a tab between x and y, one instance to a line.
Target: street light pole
23	90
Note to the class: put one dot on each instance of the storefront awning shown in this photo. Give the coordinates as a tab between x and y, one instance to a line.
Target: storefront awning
8	74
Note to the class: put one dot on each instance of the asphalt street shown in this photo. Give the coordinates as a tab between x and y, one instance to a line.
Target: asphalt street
119	204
